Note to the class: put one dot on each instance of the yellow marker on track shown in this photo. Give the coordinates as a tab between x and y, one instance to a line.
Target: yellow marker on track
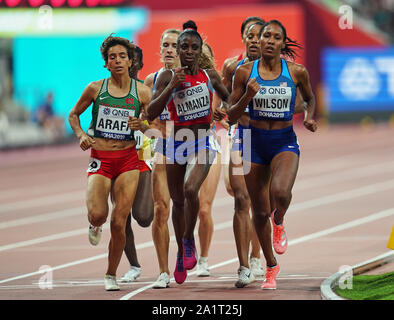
390	244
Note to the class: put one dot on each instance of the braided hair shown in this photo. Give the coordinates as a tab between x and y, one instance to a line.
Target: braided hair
189	29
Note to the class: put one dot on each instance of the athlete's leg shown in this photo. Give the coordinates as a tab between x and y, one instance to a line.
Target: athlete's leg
142	210
124	189
196	173
98	189
161	200
207	194
257	180
175	179
241	219
284	167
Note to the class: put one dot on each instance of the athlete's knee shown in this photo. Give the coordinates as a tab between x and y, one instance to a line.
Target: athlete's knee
261	216
144	221
97	218
281	196
190	191
241	201
118	225
161	212
204	213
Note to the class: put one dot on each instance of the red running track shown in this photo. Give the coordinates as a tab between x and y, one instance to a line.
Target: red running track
342	213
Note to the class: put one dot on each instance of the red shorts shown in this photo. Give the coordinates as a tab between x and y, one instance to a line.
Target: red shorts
111	164
144	166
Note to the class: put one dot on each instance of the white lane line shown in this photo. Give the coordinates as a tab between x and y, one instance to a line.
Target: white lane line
100	283
39	202
44	217
350	224
345	175
333	198
372	217
301	184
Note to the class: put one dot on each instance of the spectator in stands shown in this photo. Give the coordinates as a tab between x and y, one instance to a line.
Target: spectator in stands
52	124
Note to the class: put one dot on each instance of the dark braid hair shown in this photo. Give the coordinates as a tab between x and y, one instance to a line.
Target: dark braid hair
247	20
289	44
189	28
137	63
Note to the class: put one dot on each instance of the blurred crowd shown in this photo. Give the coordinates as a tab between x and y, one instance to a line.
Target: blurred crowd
379	12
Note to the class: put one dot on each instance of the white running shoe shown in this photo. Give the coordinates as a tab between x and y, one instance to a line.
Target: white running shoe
163	281
110	283
255	267
131	275
202	267
95	234
245	276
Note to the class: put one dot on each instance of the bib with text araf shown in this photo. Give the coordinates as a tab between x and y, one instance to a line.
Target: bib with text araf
276	98
110	114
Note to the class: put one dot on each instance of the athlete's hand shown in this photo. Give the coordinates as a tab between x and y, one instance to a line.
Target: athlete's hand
85	142
134	123
219	114
311	125
252	87
178	77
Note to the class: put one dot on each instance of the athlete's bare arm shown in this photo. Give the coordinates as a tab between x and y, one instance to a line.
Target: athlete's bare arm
301	77
144	95
165	83
243	92
87	98
228	71
149	80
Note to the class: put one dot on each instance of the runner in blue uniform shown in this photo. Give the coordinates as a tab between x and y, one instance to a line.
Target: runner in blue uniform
268	88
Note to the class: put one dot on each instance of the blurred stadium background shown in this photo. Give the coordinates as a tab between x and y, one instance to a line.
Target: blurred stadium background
49	52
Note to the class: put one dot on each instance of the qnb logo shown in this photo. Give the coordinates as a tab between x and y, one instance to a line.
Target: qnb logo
46	281
107	111
181	95
360	78
263	90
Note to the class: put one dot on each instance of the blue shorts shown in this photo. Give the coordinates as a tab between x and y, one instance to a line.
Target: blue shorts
236	144
180	152
266	144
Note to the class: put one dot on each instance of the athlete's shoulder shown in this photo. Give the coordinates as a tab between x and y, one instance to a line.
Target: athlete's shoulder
143	90
229	61
229	67
94	87
297	69
246	67
295	66
149	79
96	84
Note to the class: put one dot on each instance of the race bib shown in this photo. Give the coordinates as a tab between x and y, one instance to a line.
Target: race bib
139	138
165	115
272	102
112	122
94	165
192	103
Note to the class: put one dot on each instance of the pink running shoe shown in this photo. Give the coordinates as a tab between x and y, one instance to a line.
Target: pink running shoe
269	282
189	254
279	238
180	272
